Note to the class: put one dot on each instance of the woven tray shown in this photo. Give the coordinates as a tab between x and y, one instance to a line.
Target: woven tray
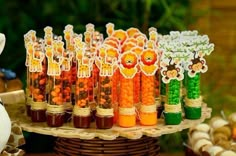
98	147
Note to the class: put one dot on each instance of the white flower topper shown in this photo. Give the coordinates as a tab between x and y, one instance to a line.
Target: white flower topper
192	46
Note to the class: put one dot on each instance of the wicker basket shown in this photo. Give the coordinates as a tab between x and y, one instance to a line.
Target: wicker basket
97	147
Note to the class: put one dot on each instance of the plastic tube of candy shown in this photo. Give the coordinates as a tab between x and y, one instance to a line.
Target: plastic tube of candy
127	114
37	69
105	114
193	99
81	114
148	113
173	112
55	108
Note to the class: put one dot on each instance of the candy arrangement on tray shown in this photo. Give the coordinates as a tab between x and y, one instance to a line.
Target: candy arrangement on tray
126	78
216	138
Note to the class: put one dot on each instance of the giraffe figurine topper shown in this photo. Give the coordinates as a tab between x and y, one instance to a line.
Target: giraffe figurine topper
48	37
67	58
35	58
84	64
68	36
106	63
54	62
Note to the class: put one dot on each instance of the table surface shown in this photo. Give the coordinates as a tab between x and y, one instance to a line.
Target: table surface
17	112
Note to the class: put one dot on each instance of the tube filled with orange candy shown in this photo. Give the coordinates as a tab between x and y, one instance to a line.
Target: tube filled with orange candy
68	72
69	37
82	111
104	110
148	66
137	79
128	69
29	37
55	108
37	69
92	39
66	76
81	114
113	42
112	53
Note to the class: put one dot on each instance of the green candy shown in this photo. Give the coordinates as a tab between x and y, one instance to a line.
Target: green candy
193	86
173	92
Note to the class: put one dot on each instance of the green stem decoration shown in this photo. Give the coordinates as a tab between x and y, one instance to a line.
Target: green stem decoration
173	92
193	86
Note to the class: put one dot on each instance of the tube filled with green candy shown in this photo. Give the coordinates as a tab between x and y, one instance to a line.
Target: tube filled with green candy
193	99
172	74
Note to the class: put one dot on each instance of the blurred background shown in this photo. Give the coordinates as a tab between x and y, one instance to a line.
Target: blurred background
215	18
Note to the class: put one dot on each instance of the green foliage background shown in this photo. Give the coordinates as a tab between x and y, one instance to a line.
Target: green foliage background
18	17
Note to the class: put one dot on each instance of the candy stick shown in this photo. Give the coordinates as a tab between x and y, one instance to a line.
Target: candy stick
112	54
172	106
81	117
55	107
69	37
37	68
92	39
107	64
66	75
172	74
105	113
29	37
148	116
128	69
81	112
148	66
137	78
127	117
193	98
195	65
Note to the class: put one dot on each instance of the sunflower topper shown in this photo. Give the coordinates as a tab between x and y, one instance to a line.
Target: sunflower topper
149	62
128	64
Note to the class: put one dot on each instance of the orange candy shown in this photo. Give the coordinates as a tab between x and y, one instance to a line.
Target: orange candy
127	120
81	92
147	90
126	92
67	84
148	98
56	91
137	88
148	119
105	92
